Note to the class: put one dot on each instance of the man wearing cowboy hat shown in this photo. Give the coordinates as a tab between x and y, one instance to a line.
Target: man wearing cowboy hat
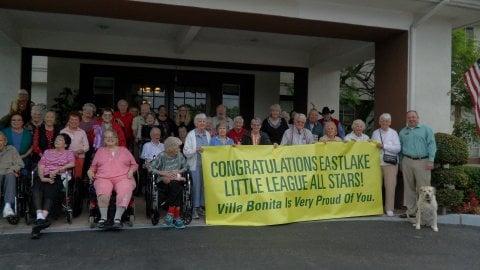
327	117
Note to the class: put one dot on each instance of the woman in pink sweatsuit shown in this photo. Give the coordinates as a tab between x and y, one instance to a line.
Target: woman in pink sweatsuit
112	169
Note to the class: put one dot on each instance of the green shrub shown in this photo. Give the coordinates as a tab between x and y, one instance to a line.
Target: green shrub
443	178
450	198
450	150
474	175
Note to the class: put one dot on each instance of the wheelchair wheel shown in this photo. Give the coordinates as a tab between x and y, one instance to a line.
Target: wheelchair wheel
69	217
28	218
155	217
91	221
13	220
130	221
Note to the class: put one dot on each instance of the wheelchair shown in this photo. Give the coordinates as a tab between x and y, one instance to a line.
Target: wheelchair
68	197
22	207
155	198
128	216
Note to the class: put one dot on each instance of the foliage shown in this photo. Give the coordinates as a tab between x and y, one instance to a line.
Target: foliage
453	178
357	90
66	102
450	150
449	197
474	174
467	131
464	53
471	205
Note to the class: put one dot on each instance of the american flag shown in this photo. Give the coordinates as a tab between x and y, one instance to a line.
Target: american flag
472	82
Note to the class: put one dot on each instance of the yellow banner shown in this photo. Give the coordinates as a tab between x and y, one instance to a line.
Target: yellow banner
262	185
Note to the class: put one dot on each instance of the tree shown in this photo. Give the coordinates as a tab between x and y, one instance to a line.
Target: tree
357	90
465	52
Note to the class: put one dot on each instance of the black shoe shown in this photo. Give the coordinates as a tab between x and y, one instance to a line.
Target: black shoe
35	233
117	224
101	223
41	224
406	216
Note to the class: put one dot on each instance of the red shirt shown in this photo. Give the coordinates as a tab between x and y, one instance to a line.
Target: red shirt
236	135
127	120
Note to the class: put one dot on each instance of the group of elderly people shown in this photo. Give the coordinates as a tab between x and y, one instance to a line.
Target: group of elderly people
108	147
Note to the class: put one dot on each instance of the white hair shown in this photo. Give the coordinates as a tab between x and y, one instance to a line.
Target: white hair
276	107
300	116
89	106
385	116
358	122
237	119
199	116
39	108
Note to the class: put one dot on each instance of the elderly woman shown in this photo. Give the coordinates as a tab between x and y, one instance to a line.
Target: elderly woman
298	134
79	144
389	142
44	136
106	123
358	127
37	114
88	118
10	165
112	169
274	125
183	118
256	136
221	138
237	132
53	163
18	136
330	131
210	128
125	119
169	165
192	149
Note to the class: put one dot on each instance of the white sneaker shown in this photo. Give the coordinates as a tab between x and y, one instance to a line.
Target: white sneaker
390	213
195	214
8	211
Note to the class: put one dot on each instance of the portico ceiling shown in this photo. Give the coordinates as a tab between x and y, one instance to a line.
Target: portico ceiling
180	36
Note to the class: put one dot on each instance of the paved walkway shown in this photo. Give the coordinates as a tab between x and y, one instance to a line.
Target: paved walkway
309	245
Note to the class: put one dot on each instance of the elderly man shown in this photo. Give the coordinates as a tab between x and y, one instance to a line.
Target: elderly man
139	120
222	116
298	134
124	118
418	151
313	124
327	117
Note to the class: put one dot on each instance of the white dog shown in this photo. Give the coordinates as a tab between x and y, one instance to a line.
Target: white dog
426	208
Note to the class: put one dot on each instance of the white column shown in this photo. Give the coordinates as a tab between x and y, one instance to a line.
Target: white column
430	66
324	89
10	59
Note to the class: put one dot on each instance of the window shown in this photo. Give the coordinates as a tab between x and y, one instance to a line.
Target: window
287	90
153	95
231	99
195	97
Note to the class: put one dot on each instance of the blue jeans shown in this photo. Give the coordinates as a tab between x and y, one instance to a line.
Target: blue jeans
197	185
